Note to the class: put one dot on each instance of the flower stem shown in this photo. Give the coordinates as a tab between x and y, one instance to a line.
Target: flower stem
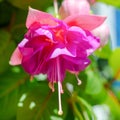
56	8
77	112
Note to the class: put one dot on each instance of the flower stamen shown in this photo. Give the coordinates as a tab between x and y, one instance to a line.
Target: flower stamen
79	81
51	86
61	89
31	78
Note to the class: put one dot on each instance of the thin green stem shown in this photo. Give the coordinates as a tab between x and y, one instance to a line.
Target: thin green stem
77	112
87	106
75	109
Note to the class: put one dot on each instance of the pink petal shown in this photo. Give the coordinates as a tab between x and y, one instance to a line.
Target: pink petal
16	57
74	64
60	51
26	51
87	22
39	16
103	33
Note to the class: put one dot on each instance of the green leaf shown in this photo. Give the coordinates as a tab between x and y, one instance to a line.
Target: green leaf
114	61
94	87
115	3
70	115
8	106
113	104
9	89
6	49
97	98
1	0
105	70
5	13
18	29
94	84
104	52
10	81
39	102
38	4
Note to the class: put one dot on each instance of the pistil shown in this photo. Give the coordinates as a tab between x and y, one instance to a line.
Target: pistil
60	90
60	112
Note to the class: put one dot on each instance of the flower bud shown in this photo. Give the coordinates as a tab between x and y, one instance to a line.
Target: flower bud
71	7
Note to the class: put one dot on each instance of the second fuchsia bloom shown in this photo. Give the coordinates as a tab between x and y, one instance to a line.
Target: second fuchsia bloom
71	7
52	46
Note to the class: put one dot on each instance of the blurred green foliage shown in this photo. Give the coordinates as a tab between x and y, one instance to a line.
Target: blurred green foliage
115	3
22	99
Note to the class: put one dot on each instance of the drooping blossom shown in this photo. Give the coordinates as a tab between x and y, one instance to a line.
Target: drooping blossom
52	46
71	7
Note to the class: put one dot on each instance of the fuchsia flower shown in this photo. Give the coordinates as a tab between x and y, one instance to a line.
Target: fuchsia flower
52	46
